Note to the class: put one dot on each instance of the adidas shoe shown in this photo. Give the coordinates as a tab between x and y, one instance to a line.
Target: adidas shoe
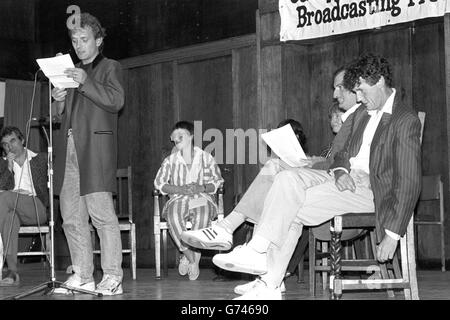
246	287
75	282
212	238
110	285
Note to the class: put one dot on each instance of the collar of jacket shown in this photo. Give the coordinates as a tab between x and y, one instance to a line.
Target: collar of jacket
97	59
95	62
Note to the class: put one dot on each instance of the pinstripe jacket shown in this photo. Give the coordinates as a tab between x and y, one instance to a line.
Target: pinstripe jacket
395	165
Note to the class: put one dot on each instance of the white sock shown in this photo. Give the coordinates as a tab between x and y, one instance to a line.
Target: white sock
259	244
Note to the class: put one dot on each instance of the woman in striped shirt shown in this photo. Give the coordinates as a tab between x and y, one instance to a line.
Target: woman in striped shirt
191	177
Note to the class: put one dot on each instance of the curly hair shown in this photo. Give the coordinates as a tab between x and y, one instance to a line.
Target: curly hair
370	67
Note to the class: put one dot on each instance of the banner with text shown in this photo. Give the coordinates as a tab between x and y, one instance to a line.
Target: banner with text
306	19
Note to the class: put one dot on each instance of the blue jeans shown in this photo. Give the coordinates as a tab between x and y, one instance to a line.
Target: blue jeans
76	210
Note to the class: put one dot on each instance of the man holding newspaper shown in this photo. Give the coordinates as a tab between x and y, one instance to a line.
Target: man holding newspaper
377	170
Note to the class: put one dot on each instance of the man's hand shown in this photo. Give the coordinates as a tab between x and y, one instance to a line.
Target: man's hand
344	181
77	74
185	190
59	94
386	249
10	157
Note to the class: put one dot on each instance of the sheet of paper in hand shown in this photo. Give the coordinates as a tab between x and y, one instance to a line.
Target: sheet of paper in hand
53	69
284	143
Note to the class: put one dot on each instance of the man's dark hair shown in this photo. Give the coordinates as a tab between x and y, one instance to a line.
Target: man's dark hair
338	71
88	20
370	67
9	130
184	125
298	130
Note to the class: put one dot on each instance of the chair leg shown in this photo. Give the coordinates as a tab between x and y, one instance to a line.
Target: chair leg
158	255
405	270
299	254
396	266
301	267
312	264
133	250
165	255
442	247
335	259
48	245
324	264
412	261
383	268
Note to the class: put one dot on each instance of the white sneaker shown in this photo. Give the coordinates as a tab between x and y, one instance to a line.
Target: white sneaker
213	238
242	259
74	281
261	292
110	285
246	287
183	266
193	271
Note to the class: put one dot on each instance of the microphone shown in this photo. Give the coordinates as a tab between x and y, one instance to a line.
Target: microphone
45	122
40	120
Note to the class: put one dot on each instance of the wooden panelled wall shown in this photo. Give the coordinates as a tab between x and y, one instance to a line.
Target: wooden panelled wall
255	81
214	83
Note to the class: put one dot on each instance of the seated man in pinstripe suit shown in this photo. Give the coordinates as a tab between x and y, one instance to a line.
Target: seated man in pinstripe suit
379	169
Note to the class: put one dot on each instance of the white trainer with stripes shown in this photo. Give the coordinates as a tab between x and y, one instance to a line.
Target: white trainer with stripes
212	238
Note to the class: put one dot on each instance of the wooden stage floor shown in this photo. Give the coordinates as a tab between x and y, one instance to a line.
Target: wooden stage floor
433	285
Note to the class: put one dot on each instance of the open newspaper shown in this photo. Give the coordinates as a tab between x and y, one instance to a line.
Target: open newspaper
285	144
53	69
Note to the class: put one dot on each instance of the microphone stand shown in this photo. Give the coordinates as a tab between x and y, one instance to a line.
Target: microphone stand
50	286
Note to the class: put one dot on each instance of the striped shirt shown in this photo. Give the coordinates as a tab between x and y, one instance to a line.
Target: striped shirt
175	171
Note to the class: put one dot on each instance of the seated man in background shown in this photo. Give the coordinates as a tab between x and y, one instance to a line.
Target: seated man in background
191	177
23	174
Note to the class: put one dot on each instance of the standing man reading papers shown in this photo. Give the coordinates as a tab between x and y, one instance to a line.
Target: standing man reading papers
86	159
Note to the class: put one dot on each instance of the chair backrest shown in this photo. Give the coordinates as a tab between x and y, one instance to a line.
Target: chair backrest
124	197
421	116
431	187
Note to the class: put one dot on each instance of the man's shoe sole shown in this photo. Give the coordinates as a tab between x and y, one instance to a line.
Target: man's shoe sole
237	267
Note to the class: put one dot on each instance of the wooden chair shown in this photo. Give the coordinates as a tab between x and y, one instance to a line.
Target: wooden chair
45	245
408	279
319	253
433	190
123	202
160	227
41	231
